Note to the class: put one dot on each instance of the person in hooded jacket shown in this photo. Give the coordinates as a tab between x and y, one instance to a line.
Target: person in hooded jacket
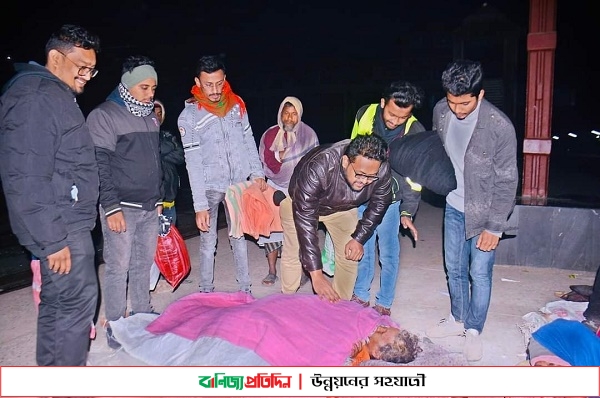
171	156
280	149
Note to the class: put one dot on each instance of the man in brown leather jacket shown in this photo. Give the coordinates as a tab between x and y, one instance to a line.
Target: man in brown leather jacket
328	185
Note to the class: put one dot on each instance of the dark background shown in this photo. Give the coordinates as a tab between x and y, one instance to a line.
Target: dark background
326	53
334	56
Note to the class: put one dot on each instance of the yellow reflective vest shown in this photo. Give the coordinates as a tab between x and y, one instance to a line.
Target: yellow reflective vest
364	126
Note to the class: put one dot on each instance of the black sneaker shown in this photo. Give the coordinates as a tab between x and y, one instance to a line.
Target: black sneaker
110	339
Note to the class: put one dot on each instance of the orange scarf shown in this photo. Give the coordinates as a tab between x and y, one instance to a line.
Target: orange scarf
228	100
361	356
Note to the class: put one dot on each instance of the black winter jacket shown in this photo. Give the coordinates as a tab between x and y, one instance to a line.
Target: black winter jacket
47	164
171	156
318	187
128	155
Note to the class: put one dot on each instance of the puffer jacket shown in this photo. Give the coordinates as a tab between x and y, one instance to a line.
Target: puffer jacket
491	174
47	164
128	156
171	156
219	151
318	187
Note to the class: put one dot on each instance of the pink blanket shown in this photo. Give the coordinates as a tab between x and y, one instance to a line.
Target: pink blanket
285	330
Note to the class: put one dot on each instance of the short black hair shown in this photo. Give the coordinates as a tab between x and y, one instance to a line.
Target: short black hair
133	61
69	36
463	77
404	94
210	64
369	146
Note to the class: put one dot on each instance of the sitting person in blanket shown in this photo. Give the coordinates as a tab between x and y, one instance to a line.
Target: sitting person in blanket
228	329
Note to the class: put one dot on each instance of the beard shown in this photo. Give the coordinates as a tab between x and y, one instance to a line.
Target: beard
288	127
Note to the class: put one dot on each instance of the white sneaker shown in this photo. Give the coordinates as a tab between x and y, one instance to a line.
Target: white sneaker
446	327
473	349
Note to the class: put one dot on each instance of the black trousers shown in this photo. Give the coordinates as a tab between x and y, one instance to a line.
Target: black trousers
67	307
593	309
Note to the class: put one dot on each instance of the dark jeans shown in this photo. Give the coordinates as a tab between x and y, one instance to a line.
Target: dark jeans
68	305
593	309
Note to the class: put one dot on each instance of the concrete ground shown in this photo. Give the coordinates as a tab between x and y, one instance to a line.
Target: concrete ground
421	296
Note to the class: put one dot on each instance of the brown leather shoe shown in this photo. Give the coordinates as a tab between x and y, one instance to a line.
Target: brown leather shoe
382	310
359	301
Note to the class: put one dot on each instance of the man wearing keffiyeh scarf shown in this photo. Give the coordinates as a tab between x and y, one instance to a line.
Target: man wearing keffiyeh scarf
220	151
125	131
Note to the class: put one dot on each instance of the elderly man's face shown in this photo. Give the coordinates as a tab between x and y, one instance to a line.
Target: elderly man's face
289	118
382	336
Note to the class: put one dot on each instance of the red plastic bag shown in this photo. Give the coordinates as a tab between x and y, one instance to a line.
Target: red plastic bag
172	257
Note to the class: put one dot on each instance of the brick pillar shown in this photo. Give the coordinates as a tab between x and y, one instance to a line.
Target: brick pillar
541	45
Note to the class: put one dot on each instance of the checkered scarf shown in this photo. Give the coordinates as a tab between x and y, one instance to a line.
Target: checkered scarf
137	108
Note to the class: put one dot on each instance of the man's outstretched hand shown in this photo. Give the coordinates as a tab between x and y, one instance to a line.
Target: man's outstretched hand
322	287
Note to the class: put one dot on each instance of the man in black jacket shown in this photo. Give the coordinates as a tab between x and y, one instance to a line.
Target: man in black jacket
125	132
50	180
171	156
592	313
328	185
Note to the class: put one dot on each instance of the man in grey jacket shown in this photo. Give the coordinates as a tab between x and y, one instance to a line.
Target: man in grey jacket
220	151
481	143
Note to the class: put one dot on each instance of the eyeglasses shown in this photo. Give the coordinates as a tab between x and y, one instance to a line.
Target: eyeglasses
363	177
83	70
216	85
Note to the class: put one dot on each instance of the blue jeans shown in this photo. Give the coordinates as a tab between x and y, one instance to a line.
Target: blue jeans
68	305
128	257
386	237
469	272
208	248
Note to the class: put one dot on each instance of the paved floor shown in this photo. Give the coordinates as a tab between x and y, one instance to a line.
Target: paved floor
421	296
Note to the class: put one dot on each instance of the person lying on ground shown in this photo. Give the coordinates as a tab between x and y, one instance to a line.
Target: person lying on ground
564	342
278	330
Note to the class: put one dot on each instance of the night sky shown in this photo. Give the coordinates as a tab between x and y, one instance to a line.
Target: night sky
310	49
334	56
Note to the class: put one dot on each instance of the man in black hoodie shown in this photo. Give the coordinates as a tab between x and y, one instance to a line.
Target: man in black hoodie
50	180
